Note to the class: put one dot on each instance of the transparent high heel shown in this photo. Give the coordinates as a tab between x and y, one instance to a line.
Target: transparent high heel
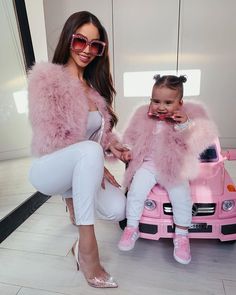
70	208
96	282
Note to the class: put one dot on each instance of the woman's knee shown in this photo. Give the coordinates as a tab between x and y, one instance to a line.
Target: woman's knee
92	151
111	203
115	215
117	212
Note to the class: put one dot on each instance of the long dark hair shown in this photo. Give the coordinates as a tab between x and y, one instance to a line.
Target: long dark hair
171	81
97	73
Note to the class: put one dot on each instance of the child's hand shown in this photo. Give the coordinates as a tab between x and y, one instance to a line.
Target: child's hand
179	117
126	156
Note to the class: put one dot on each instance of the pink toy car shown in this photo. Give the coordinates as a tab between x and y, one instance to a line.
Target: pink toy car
214	202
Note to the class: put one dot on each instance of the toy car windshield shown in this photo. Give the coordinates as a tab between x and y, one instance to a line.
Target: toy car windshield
209	154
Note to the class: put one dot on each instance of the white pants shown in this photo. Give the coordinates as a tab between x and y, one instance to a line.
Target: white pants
143	181
79	169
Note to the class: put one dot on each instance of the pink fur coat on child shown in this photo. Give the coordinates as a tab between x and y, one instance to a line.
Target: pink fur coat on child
176	151
58	109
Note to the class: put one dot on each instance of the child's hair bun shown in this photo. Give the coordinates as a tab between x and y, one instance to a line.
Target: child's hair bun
173	79
157	77
182	79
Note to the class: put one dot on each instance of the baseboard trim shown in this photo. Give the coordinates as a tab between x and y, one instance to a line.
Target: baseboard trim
16	217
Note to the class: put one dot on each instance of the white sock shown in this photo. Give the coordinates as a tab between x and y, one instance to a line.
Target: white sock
181	231
132	223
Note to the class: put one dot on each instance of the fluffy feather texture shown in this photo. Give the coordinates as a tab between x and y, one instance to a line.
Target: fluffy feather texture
176	152
58	109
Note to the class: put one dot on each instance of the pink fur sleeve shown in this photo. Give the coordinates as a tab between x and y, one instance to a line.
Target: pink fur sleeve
201	133
131	133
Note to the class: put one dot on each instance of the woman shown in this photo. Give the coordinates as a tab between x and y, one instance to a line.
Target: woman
70	110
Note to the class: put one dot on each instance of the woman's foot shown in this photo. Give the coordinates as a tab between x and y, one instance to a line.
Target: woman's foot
70	207
94	273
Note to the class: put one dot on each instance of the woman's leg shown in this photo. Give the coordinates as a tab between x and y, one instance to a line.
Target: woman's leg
67	198
110	203
70	208
88	252
81	167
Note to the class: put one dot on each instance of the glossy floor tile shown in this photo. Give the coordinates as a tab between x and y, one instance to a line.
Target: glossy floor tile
36	259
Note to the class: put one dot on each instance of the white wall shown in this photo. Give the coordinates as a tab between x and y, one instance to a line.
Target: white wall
144	35
208	42
145	39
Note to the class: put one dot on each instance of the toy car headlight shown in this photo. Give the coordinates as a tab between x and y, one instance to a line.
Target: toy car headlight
228	205
150	205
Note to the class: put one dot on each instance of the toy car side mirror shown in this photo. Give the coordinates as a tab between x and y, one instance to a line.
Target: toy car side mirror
230	154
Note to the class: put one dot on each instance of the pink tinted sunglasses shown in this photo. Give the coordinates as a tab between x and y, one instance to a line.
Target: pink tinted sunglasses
79	42
159	117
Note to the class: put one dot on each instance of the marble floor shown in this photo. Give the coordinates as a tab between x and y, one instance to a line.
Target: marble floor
14	185
36	260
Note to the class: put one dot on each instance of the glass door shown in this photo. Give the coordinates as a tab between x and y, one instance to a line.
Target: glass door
14	127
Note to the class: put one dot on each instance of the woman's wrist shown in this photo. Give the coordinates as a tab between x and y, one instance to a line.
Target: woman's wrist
111	144
127	146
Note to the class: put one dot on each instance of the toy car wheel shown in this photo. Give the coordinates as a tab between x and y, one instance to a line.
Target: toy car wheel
228	242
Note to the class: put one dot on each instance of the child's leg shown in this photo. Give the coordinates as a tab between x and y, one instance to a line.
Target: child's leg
181	201
142	183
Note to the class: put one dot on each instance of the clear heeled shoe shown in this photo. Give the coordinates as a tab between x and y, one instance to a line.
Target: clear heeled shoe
96	282
70	208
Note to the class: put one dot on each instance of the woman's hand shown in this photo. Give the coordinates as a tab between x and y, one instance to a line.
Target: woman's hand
120	151
109	177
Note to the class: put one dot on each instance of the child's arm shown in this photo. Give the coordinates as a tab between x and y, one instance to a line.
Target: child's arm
198	132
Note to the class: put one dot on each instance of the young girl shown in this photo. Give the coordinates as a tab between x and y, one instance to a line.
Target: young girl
166	138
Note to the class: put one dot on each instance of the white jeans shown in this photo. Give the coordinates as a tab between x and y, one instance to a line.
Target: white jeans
79	169
142	183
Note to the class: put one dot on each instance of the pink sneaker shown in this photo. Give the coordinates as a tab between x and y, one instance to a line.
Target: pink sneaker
128	238
182	249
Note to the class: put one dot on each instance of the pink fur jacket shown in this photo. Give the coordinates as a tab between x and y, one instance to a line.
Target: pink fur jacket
58	110
177	152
